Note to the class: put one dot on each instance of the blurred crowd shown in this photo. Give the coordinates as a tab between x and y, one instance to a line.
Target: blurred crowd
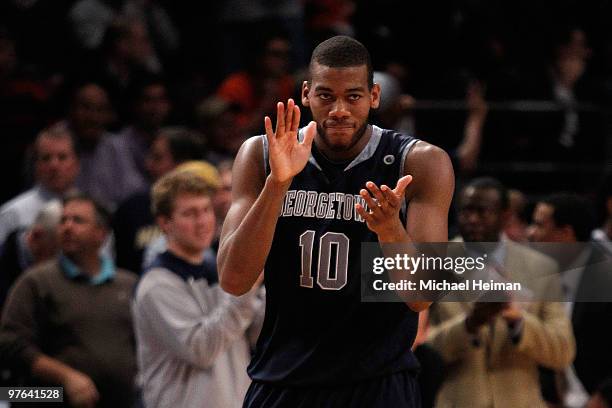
102	98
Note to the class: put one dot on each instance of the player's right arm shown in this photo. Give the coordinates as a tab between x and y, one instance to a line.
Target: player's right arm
249	226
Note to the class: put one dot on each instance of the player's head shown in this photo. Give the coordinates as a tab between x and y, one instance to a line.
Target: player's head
483	210
182	205
343	52
340	91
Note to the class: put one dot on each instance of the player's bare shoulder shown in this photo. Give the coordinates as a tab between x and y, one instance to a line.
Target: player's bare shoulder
250	160
252	148
430	167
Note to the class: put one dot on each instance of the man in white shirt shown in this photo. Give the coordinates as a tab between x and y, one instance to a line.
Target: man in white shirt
56	168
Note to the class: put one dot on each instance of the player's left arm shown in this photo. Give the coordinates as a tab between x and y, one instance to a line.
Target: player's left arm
427	186
428	197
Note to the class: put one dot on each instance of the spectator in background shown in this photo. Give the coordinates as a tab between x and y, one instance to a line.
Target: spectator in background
394	110
123	156
126	54
576	129
91	18
569	67
158	245
133	222
518	218
27	247
467	152
89	117
193	338
331	17
240	19
265	82
67	321
218	122
164	34
493	349
56	168
566	219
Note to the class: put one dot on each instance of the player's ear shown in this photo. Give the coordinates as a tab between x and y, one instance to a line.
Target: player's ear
305	91
375	96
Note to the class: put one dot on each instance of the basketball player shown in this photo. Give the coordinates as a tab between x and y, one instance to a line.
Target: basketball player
300	212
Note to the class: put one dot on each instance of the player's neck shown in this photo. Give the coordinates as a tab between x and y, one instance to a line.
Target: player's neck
348	154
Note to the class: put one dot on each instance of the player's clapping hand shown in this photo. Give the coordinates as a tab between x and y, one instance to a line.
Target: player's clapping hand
384	204
287	155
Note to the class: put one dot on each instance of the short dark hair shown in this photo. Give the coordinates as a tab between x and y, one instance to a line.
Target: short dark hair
490	183
573	210
184	144
103	216
342	52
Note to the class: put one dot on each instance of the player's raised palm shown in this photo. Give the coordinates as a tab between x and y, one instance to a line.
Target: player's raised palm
287	155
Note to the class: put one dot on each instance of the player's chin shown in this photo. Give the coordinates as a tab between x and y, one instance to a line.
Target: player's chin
340	132
340	140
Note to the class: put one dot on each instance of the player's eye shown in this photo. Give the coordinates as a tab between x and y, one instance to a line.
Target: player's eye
354	97
324	96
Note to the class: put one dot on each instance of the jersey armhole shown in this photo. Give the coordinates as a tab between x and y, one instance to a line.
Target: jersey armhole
404	154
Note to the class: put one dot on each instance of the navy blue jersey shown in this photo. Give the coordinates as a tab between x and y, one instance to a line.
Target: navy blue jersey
316	329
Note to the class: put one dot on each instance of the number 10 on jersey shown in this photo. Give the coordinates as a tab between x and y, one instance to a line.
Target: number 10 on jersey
324	278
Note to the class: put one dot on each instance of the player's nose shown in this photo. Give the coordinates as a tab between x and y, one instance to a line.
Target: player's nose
339	109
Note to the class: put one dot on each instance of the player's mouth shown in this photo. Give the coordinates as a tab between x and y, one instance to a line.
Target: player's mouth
339	128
